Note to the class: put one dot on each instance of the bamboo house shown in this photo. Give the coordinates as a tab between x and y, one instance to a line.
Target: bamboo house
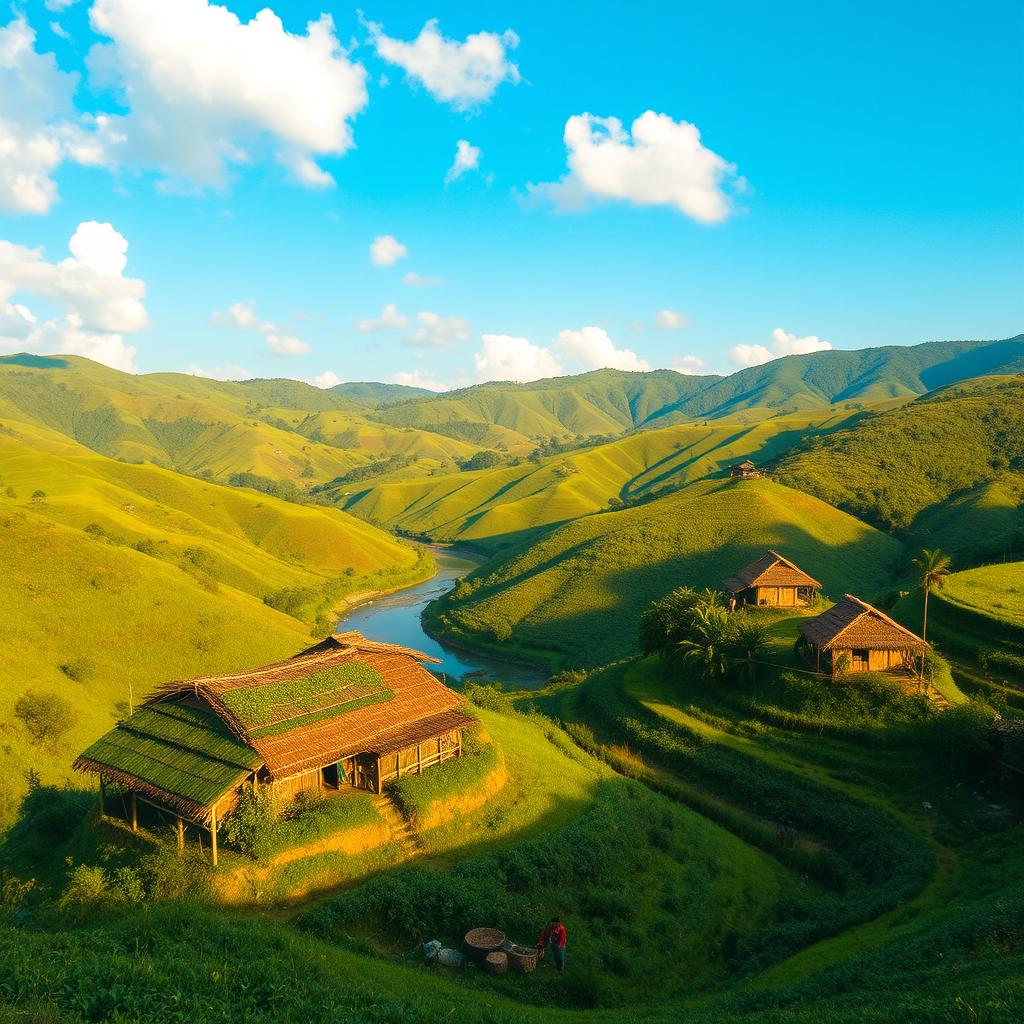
745	470
852	636
773	581
346	712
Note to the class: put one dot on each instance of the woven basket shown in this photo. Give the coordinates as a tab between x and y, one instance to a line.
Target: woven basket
522	958
496	963
481	941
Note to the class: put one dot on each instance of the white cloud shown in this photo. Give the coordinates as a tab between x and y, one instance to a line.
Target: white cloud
467	158
783	344
88	284
36	135
285	344
327	379
670	320
17	324
435	331
591	348
688	365
242	316
659	162
463	74
59	30
205	90
790	345
507	358
389	319
59	5
227	372
414	280
417	379
386	251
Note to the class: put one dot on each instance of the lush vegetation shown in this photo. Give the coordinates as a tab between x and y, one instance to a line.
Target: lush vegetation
892	468
579	591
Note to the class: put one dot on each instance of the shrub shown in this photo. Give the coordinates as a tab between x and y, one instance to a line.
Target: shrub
46	716
251	827
38	495
80	669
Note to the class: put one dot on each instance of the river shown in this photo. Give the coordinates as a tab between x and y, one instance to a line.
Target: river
396	619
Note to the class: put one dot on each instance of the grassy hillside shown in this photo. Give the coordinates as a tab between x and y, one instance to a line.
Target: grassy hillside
232	536
578	592
280	429
964	442
493	508
978	619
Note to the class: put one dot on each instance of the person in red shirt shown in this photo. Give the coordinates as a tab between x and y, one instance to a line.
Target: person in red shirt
554	936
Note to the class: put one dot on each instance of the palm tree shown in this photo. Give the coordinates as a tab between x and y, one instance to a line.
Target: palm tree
932	569
707	642
748	644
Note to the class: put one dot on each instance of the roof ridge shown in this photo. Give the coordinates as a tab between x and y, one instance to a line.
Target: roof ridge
870	608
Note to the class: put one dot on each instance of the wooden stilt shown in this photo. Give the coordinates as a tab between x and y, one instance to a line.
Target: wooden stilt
419	760
181	834
213	835
103	810
135	813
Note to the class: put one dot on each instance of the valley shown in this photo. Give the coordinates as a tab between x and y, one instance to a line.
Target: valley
730	837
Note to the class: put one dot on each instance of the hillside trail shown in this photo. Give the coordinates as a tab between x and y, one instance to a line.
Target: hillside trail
403	836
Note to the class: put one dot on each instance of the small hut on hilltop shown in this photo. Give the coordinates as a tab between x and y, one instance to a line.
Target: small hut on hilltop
852	636
346	712
745	470
773	581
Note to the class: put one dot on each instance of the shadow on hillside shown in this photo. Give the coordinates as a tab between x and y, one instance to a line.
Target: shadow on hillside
1006	355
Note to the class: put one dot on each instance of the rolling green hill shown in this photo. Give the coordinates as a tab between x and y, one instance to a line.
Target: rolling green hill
964	442
279	429
494	508
579	590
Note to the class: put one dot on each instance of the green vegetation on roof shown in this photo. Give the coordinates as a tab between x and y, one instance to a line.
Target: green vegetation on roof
333	691
178	750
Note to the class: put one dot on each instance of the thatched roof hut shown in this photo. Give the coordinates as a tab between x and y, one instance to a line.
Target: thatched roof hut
853	636
744	470
773	581
346	711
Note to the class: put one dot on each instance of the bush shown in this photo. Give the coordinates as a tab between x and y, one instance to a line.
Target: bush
79	669
46	716
251	827
38	495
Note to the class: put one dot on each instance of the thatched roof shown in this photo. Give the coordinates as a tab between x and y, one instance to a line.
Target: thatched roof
180	755
853	623
745	464
344	696
770	570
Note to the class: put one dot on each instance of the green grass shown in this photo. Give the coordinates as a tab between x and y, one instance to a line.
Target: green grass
994	590
333	691
892	468
579	591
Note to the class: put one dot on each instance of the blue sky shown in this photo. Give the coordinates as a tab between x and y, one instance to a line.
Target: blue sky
856	182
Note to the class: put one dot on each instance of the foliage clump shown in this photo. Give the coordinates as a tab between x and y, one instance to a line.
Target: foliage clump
46	716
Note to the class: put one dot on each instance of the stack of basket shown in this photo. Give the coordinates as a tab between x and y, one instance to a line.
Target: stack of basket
481	942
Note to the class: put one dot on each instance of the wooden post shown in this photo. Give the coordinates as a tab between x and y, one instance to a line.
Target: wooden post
102	807
135	812
181	834
419	760
213	834
458	740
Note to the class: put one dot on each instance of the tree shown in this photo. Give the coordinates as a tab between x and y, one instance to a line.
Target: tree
748	644
707	642
46	716
932	569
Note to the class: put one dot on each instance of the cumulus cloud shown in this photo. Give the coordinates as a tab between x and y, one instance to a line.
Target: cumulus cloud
389	319
790	345
591	348
467	158
414	280
783	344
227	372
462	74
688	365
205	90
436	331
386	251
508	358
658	162
417	379
671	320
37	129
89	284
327	379
243	317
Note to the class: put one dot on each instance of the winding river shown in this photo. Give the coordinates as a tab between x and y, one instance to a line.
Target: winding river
395	618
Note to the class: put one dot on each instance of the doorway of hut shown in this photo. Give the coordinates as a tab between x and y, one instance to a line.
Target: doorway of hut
332	775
